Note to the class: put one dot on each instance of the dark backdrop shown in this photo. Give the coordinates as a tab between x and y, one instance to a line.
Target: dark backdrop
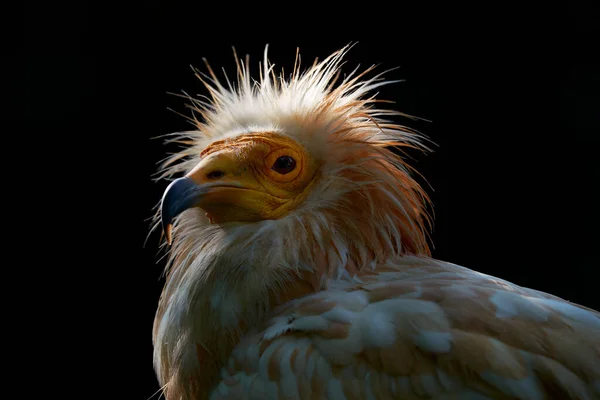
512	96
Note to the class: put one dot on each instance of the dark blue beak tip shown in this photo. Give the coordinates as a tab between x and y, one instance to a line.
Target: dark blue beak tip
180	195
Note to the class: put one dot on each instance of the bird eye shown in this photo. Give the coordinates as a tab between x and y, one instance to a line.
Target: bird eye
284	165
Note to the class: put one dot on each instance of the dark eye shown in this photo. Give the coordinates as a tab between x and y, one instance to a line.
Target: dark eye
284	164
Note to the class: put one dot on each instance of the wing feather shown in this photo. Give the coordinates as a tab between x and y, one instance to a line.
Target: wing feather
436	331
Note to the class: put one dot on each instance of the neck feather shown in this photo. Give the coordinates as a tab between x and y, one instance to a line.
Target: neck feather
223	278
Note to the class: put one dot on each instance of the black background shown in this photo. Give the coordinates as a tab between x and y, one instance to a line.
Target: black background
512	94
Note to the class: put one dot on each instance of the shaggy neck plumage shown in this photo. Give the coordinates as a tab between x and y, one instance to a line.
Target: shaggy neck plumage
223	278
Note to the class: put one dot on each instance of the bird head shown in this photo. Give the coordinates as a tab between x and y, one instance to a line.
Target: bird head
305	149
257	176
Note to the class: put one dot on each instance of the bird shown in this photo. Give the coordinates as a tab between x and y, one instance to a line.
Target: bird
299	262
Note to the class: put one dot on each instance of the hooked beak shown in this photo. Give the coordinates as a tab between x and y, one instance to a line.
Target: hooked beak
180	195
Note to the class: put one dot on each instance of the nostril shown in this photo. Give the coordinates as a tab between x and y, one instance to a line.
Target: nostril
215	174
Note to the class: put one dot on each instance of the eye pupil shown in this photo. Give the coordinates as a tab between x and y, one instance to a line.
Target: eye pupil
284	164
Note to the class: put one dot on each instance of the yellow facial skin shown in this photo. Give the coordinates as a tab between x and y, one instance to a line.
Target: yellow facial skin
242	182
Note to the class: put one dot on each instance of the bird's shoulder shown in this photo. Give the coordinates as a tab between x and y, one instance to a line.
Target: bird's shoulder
420	328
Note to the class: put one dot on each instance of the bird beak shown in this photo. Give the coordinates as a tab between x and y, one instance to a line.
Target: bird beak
180	195
213	185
